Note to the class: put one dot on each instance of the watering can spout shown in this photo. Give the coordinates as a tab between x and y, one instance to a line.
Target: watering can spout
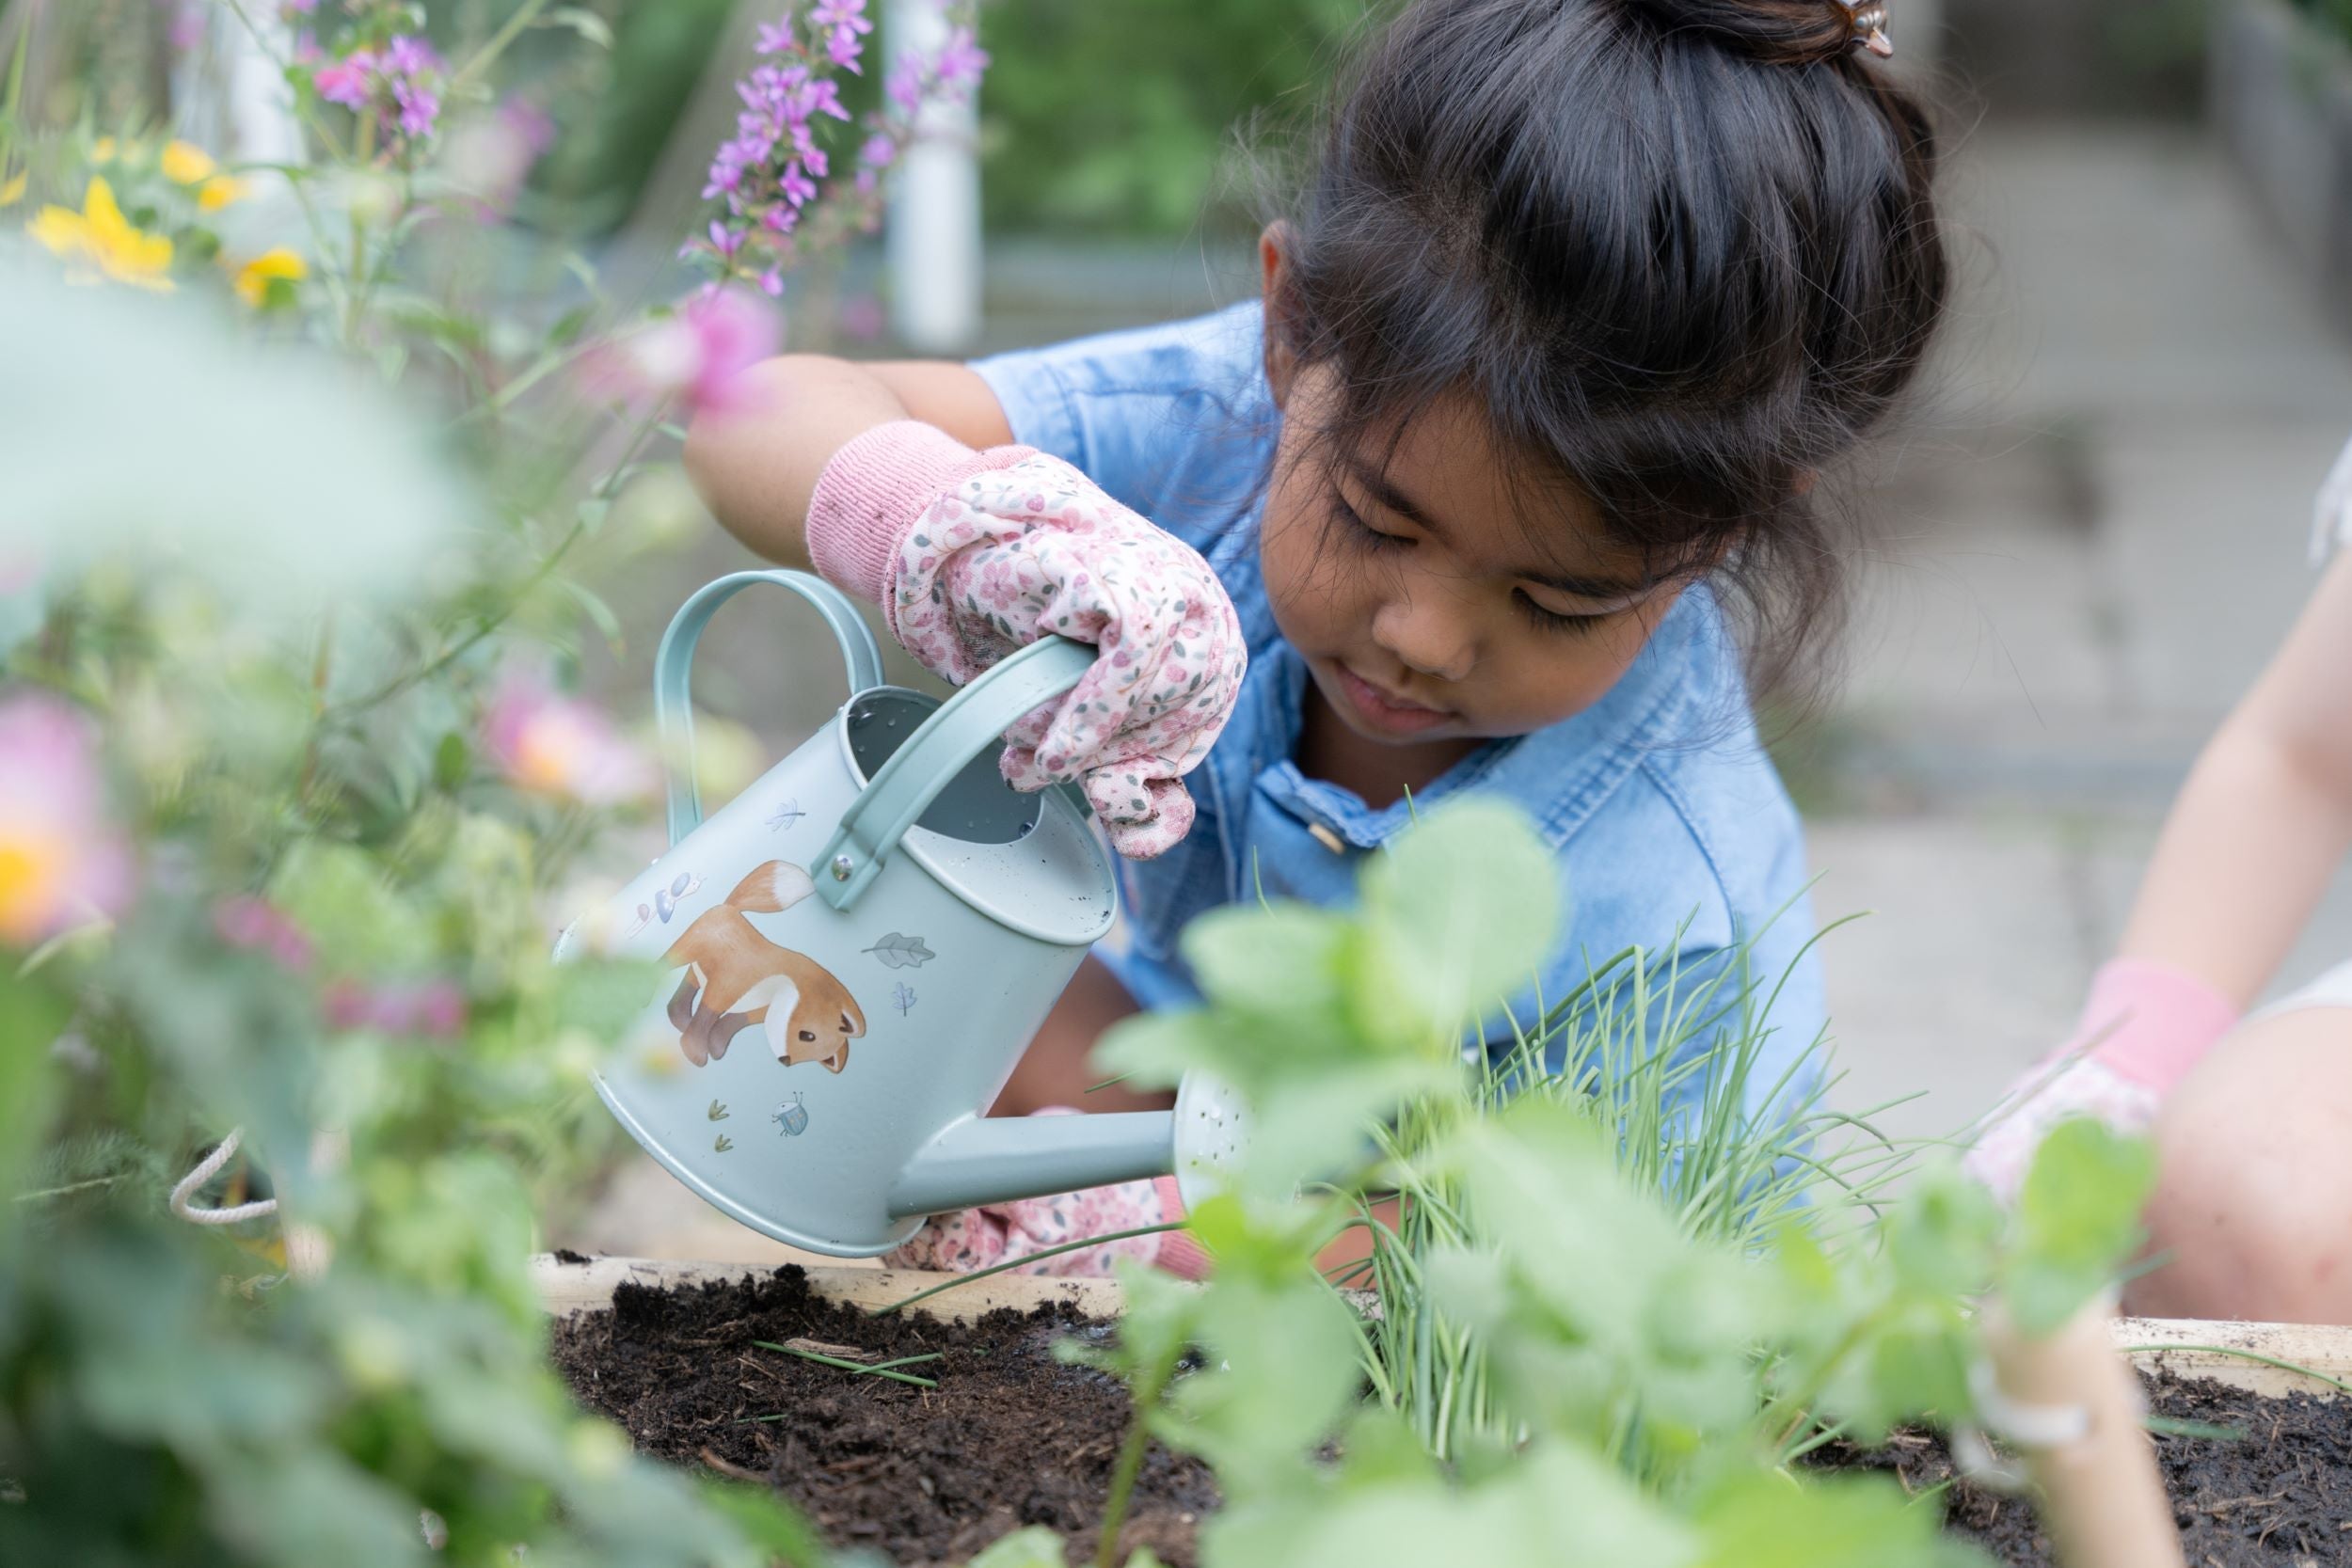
984	1160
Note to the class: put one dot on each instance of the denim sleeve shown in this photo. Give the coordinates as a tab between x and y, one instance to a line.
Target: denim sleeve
1174	422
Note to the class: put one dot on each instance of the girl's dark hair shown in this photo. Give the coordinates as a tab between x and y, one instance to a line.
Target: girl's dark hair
1681	252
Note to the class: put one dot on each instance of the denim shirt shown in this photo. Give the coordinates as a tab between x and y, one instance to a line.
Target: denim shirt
1666	820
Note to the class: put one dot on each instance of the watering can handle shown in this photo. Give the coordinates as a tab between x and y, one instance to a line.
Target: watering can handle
967	724
672	667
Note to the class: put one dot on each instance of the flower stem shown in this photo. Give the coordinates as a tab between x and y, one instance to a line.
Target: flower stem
1031	1258
525	14
1131	1452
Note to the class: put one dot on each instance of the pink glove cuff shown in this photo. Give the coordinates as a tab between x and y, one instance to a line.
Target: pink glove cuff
876	488
2150	1023
1179	1253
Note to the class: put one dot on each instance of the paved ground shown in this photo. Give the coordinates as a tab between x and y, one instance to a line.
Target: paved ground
2088	543
2093	545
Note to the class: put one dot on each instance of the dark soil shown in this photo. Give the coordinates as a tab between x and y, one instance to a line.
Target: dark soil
1009	1437
2279	1496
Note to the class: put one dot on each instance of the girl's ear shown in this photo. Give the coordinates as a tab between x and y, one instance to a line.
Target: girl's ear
1282	364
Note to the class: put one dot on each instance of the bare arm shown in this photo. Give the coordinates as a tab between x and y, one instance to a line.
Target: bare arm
2266	815
757	464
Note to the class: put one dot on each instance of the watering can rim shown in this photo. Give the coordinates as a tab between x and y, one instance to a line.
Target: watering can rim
928	847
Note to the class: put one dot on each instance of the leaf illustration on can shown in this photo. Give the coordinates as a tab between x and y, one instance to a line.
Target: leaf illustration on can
902	997
899	952
724	1144
717	1112
786	816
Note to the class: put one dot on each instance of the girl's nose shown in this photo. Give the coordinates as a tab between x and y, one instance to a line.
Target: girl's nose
1427	635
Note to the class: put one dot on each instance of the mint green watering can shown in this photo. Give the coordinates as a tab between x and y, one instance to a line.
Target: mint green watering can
856	952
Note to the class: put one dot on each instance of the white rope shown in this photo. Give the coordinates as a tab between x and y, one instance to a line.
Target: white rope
2020	1422
183	1196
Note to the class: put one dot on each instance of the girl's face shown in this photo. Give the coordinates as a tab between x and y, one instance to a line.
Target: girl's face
1434	600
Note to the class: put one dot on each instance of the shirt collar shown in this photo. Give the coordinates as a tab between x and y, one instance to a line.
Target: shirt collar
1560	773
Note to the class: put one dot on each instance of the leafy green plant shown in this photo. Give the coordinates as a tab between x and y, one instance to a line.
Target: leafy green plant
1604	1330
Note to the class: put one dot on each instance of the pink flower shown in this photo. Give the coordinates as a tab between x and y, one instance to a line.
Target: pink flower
346	82
436	1008
256	924
961	61
561	746
62	864
700	352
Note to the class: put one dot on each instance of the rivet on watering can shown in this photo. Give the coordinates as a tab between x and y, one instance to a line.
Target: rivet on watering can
842	867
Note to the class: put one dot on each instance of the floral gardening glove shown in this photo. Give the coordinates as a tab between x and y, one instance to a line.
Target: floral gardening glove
2145	1025
973	555
983	1237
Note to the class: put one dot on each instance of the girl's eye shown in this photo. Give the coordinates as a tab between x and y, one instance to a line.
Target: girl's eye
1552	620
1361	531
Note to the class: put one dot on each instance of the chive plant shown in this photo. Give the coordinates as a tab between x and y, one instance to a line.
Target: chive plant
1674	1061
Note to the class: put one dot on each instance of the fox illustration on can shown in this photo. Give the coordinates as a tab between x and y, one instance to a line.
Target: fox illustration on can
735	978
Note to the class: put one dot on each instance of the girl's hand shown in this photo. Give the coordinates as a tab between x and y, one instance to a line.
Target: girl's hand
972	555
1002	1233
2144	1027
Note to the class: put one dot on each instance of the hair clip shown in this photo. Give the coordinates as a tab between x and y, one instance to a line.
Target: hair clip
1869	21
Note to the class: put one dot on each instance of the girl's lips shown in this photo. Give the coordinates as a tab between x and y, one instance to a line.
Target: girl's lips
1382	711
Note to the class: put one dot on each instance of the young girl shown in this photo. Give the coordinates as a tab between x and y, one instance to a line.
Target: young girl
2253	1216
1580	297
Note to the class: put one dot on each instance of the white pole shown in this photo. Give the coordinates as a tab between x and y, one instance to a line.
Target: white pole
232	98
933	233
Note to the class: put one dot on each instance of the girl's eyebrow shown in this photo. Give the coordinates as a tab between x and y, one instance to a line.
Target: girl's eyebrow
1383	490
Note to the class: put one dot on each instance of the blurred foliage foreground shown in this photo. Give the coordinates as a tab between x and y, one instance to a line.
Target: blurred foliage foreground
307	466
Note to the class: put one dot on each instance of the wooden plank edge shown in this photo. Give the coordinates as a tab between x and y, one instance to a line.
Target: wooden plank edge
2154	1344
2179	1345
565	1288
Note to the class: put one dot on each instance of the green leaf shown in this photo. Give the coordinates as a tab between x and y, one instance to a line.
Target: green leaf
587	24
1274	962
2077	1221
1463	907
568	325
608	625
1774	1521
1942	1238
901	952
453	761
1037	1547
1282	1374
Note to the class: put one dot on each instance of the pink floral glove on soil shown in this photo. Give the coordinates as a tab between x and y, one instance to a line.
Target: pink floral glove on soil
983	1237
973	554
2145	1025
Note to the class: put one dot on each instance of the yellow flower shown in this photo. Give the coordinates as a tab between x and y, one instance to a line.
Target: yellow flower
253	278
12	191
103	150
185	164
100	236
218	191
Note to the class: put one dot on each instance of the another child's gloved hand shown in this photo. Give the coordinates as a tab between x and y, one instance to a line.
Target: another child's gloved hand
1002	1233
2144	1027
973	554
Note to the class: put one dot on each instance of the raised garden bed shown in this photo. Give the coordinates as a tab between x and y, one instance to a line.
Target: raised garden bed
1011	1436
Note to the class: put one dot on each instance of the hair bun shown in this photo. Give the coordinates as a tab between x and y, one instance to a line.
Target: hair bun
1776	32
